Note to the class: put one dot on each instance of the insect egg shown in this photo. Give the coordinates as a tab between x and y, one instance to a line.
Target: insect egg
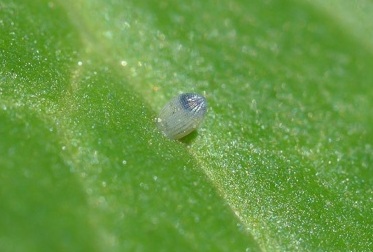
182	115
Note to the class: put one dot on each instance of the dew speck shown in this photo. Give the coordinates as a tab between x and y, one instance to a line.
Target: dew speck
124	162
123	63
108	34
80	63
126	25
63	147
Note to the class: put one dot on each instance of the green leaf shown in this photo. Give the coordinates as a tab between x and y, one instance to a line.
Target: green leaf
283	161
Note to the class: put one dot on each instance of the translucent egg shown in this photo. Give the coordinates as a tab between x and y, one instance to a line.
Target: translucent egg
182	115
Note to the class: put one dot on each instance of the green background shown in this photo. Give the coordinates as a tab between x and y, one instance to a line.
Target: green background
283	161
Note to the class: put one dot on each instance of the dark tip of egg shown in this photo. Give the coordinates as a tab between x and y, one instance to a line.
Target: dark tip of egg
193	102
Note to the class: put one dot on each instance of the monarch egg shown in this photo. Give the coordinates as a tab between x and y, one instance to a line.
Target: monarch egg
182	115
